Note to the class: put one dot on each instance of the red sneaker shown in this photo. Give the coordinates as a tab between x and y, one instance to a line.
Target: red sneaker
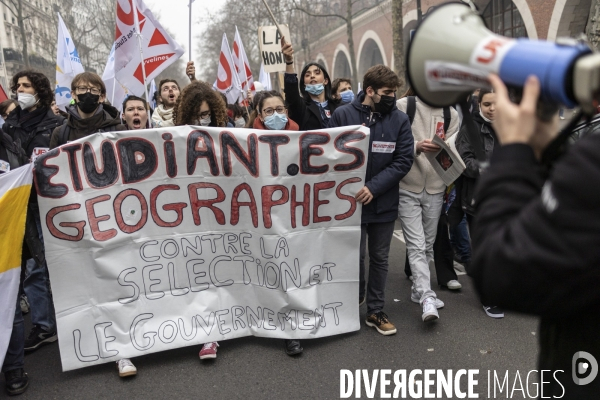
209	350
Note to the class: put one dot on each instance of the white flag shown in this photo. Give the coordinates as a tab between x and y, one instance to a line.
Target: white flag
115	92
151	94
264	78
158	48
227	79
242	66
68	65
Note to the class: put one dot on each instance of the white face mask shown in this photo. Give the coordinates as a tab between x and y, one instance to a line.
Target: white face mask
26	100
205	121
240	122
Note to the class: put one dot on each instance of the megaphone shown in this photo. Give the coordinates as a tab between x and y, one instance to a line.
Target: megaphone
452	53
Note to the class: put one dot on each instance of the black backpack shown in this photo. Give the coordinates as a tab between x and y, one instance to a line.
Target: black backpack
411	109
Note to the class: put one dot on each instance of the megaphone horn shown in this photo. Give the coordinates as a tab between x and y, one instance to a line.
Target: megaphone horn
452	53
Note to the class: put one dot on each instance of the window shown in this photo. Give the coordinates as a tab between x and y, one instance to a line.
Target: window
503	18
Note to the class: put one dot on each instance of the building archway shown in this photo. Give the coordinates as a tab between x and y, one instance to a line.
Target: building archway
341	63
371	52
321	60
569	18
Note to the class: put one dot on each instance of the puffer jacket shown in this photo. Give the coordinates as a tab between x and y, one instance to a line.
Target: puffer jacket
384	170
465	186
32	129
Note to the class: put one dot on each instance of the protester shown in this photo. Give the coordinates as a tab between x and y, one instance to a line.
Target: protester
31	124
376	109
89	114
6	108
135	113
254	113
535	240
482	121
190	71
421	196
200	105
272	115
313	109
54	108
341	89
168	90
236	113
13	156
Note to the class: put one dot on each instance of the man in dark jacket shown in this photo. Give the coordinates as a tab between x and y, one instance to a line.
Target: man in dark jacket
31	124
88	115
390	158
536	242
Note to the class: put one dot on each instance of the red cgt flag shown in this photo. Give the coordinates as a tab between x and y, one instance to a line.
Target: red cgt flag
3	95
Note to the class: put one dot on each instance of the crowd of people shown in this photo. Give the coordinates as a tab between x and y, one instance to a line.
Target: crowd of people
399	184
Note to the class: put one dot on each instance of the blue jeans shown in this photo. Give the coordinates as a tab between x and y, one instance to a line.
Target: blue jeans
379	236
37	286
459	237
15	353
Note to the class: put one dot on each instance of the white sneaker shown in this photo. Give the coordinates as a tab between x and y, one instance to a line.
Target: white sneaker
415	298
126	368
430	312
453	285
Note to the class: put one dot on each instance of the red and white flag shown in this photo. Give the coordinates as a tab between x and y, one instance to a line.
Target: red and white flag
227	78
242	66
158	48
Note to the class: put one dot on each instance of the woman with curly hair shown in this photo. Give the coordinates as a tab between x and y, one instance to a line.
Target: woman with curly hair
199	104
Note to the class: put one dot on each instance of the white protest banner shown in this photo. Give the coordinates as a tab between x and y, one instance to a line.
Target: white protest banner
269	41
163	238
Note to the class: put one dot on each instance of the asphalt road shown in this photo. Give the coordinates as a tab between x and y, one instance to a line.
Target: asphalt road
256	368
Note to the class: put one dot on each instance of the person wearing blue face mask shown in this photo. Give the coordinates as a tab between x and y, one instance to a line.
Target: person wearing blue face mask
342	89
272	113
313	106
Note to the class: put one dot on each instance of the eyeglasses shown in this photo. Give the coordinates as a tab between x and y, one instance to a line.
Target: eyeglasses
269	111
205	114
84	89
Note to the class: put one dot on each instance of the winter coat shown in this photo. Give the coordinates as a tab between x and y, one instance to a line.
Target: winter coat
466	183
422	176
32	129
535	243
305	112
101	121
384	170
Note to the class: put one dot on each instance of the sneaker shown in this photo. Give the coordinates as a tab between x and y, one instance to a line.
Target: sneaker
209	350
293	347
415	298
126	368
453	285
24	303
493	311
39	336
380	322
16	381
430	312
361	300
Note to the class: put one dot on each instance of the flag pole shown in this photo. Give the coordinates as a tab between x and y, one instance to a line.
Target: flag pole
244	66
139	36
273	18
190	32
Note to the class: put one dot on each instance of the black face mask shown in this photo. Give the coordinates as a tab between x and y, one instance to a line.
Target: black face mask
88	102
386	104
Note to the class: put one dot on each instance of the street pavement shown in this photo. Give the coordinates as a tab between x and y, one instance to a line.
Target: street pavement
257	368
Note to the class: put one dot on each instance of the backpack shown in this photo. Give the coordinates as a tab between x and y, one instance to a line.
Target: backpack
411	109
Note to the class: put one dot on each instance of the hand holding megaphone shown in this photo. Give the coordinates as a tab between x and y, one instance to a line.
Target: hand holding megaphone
452	52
